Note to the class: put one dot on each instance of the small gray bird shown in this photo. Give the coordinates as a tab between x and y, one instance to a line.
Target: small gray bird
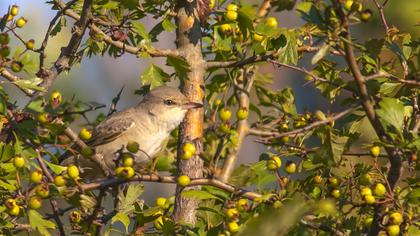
149	124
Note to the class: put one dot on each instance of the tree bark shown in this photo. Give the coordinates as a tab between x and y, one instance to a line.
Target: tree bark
191	130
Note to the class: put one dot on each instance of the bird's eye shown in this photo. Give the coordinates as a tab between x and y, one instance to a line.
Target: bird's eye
169	102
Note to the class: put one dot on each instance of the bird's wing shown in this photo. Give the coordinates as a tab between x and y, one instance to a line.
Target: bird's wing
111	129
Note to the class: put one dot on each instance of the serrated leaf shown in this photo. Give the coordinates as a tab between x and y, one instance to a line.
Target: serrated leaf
337	146
154	76
289	54
199	195
36	105
123	218
391	112
320	54
32	84
132	194
37	222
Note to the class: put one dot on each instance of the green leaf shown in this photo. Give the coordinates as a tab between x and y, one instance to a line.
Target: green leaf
168	25
154	76
309	13
414	196
289	53
391	112
123	218
181	66
199	195
320	54
337	146
165	163
132	194
32	84
253	174
37	222
36	105
57	169
58	26
140	29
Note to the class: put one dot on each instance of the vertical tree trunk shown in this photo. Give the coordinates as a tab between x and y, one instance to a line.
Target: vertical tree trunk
189	43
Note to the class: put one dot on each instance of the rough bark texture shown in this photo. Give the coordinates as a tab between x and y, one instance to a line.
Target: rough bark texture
191	130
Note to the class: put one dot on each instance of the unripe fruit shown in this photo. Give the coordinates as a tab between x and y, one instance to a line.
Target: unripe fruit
9	17
160	202
183	180
4	38
232	213
21	22
128	161
10	203
242	204
14	211
348	4
73	171
19	162
4	51
356	7
232	7
212	4
75	216
368	221
272	22
284	127
379	190
36	176
233	227
274	163
393	230
333	181
35	203
225	28
318	179
369	199
320	115
55	98
242	113
85	134
30	44
396	218
87	152
125	172
375	151
158	223
366	179
133	146
42	190
231	15
335	193
14	10
257	37
186	155
365	15
284	139
59	181
225	114
217	102
224	128
365	191
43	118
189	147
290	167
16	66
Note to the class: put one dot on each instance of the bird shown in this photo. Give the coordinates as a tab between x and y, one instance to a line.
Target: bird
149	124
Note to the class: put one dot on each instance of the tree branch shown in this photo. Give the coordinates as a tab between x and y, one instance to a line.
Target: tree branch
118	44
67	54
246	80
170	180
14	78
382	14
268	135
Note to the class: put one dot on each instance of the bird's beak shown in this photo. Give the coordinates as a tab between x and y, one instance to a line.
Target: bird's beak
191	105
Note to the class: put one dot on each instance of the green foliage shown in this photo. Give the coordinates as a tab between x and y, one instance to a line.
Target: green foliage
370	84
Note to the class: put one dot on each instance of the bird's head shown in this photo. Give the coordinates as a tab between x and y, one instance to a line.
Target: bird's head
168	104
